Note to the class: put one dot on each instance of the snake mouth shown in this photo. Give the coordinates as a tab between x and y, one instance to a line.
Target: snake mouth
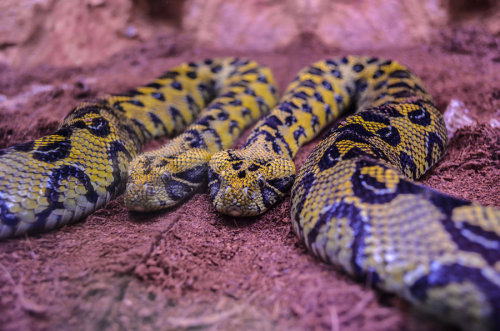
234	211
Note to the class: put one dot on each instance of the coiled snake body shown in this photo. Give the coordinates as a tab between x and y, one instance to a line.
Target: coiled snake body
353	202
62	177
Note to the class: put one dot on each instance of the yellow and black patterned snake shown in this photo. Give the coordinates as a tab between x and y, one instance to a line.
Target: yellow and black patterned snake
65	176
353	202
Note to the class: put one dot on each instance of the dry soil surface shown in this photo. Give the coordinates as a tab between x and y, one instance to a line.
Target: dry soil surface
192	268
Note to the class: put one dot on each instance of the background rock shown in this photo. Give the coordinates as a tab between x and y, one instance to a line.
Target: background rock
74	32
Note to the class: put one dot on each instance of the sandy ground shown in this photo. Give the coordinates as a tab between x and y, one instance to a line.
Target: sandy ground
192	268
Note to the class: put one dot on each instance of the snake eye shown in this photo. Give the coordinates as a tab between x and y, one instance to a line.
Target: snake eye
165	177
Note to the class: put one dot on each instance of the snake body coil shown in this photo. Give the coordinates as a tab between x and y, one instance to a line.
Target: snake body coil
353	202
62	177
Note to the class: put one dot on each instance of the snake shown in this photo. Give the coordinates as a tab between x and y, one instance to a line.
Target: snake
355	203
62	177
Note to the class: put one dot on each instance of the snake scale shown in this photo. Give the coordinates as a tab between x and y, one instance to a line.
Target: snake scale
354	203
64	176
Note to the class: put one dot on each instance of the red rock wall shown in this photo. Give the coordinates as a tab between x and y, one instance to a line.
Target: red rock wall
77	32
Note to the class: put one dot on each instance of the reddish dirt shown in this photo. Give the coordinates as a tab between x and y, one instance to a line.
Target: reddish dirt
192	268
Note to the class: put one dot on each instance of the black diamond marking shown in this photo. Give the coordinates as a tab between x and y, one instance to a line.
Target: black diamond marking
262	79
282	184
301	95
327	85
25	147
402	94
158	96
315	71
287	107
432	140
214	184
361	85
251	92
368	188
273	122
236	102
130	93
246	112
229	94
330	158
195	139
234	125
118	184
175	114
339	99
222	115
372	116
237	165
399	74
194	175
253	167
298	133
170	74
331	63
336	74
216	69
193	106
157	121
358	67
308	83
419	88
406	162
135	102
154	85
99	127
377	74
176	85
192	74
318	97
314	121
290	120
328	110
53	152
253	71
400	84
420	117
380	85
390	135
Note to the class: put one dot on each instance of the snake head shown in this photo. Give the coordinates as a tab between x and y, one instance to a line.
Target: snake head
247	183
156	181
